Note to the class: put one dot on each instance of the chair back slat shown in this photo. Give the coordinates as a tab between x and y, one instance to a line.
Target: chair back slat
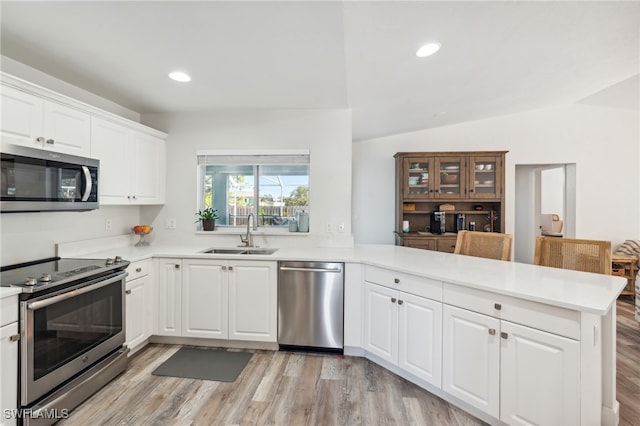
490	245
578	255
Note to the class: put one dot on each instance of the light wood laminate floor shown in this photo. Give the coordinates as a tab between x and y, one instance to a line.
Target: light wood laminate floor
288	388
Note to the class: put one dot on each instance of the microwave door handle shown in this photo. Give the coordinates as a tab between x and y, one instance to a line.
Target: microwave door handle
88	182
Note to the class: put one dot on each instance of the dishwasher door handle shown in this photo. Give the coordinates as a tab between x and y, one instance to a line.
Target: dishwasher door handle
289	268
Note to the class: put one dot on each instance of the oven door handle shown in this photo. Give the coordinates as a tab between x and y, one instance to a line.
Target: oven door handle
88	182
64	296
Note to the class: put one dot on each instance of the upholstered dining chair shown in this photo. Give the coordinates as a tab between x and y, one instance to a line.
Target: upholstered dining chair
490	245
579	255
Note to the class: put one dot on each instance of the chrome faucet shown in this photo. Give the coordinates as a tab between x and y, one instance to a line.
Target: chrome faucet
246	240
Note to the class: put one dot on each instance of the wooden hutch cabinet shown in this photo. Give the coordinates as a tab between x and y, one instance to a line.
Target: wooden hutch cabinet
459	183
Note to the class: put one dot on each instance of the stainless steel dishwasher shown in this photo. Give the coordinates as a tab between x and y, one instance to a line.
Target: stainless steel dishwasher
311	305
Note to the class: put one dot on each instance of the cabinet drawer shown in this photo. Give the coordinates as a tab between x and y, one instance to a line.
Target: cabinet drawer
139	269
553	319
8	310
408	283
446	245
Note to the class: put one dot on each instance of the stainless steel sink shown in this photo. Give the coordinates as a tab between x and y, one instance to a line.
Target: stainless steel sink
260	251
241	250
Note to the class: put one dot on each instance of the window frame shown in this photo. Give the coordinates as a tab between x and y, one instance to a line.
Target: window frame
255	159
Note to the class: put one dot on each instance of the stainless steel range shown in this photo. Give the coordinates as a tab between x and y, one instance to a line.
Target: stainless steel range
72	331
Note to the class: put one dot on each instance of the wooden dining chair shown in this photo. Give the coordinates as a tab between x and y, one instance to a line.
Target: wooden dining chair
579	255
490	245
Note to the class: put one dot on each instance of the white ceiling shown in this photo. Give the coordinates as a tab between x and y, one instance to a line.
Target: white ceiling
497	58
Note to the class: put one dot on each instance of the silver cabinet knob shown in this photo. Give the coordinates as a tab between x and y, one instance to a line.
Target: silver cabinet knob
14	337
504	335
40	139
231	268
492	331
396	280
497	306
138	269
176	266
50	141
393	300
127	291
400	302
224	268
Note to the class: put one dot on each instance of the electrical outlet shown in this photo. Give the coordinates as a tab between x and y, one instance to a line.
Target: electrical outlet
107	224
171	223
341	227
329	228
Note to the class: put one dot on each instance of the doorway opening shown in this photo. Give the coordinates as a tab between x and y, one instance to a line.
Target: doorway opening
542	189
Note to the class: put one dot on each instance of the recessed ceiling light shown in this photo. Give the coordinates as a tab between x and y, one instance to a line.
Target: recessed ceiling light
180	76
427	50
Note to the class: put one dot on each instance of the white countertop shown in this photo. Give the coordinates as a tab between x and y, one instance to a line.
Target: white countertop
581	291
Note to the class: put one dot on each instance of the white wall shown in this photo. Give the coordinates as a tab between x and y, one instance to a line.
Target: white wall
325	133
552	191
32	236
602	142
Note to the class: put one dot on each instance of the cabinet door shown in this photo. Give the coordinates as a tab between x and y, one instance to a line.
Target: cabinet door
381	322
420	337
417	177
136	310
205	299
111	145
9	370
21	122
148	171
485	177
67	130
471	358
450	177
169	297
253	301
540	377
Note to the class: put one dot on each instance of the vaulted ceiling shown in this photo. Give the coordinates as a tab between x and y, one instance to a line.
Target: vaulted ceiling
497	58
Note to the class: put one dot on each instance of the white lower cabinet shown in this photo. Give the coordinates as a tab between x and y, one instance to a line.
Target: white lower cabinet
9	356
471	358
218	299
204	299
515	373
139	305
169	296
405	330
253	301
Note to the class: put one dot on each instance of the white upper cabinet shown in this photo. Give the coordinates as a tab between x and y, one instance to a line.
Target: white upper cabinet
131	164
34	122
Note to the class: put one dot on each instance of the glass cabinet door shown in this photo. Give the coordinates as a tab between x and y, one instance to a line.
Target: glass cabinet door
450	177
418	175
483	177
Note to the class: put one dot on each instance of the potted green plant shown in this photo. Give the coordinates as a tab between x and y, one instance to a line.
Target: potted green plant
208	218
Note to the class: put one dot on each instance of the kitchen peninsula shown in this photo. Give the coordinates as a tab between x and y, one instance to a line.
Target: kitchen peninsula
502	340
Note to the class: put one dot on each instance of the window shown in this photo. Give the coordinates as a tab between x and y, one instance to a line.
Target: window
274	187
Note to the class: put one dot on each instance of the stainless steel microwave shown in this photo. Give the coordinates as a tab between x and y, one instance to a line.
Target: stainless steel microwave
37	180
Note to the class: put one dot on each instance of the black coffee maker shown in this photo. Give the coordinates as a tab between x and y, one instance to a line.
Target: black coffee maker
438	223
461	220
